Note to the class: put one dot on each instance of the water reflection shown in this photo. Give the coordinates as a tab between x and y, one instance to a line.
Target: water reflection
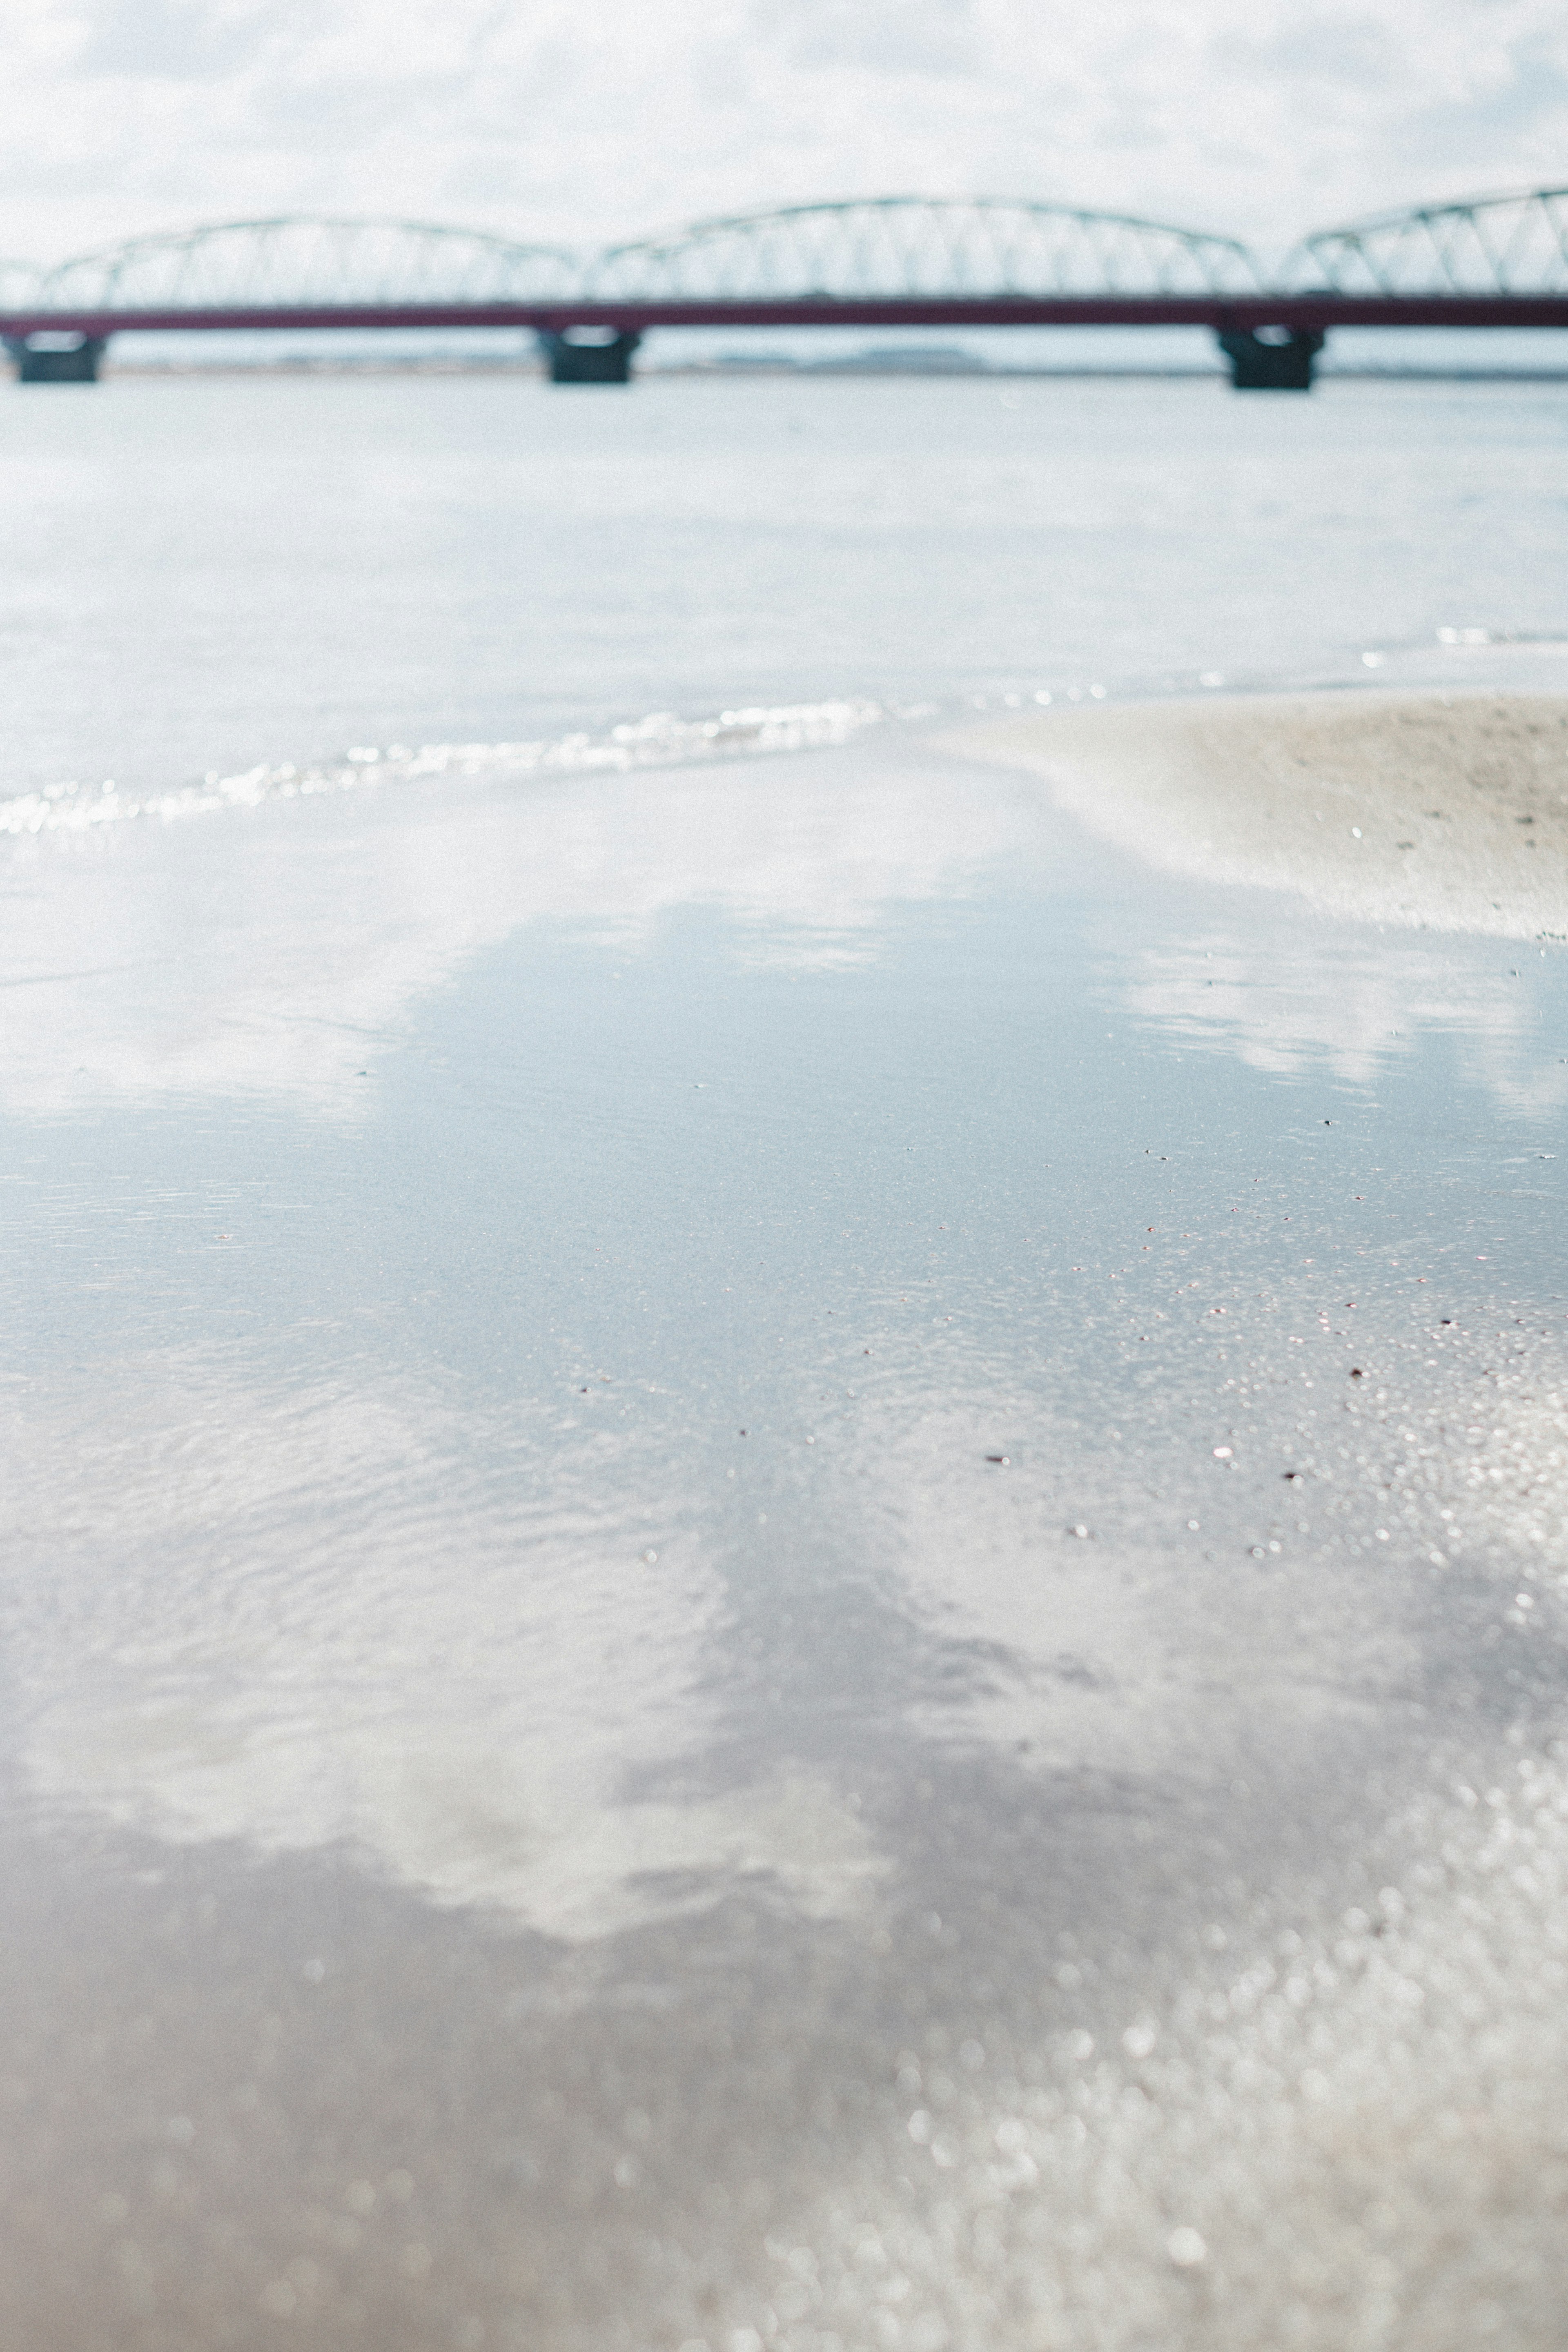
461	1644
261	950
540	1657
268	951
1310	995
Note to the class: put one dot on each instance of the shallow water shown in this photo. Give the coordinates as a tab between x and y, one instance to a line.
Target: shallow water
206	573
559	1792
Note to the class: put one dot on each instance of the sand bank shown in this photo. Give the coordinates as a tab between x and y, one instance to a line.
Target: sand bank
1437	811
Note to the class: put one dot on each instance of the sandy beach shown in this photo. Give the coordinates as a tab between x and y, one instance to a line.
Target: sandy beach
1445	811
784	1555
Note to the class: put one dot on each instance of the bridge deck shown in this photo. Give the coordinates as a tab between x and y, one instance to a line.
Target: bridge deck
1311	313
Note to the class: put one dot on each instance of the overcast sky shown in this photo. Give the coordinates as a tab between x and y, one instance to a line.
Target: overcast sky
580	123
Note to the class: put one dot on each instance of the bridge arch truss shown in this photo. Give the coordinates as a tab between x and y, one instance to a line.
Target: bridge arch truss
1511	246
921	248
323	264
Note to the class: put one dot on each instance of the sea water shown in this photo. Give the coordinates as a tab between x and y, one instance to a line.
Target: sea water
210	574
784	1559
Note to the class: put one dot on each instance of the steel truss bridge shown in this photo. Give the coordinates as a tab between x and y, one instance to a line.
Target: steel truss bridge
891	262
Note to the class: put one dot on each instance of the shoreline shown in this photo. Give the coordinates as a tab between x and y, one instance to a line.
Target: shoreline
1435	812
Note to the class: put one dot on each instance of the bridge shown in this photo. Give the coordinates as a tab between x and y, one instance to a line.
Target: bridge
887	263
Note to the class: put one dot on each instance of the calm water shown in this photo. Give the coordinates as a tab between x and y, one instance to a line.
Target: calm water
205	574
690	1558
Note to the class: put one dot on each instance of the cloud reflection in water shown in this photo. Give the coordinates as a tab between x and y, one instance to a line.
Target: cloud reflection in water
329	1615
261	950
1310	995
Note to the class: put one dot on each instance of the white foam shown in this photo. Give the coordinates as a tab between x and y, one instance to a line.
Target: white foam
660	740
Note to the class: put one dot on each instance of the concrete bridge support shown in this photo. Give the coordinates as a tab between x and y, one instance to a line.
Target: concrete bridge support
58	361
1272	359
607	360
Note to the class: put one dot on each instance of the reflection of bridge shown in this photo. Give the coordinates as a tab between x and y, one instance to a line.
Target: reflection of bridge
891	262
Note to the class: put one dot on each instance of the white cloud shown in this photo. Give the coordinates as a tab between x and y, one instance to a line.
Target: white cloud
1264	119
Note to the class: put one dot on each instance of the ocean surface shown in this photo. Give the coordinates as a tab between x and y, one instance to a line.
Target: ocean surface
783	1560
209	573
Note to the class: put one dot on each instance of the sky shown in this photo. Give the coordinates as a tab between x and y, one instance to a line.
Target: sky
583	125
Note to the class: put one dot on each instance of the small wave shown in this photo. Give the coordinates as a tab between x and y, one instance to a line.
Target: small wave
1548	640
660	740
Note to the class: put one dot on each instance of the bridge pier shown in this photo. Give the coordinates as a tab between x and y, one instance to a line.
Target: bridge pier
606	359
59	361
1272	359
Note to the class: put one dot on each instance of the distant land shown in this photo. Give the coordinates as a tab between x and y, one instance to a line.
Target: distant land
921	360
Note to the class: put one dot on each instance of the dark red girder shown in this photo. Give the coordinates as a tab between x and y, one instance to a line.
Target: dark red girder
1312	312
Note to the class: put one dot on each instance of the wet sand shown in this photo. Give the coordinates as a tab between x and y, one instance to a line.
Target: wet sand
1434	811
774	1613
